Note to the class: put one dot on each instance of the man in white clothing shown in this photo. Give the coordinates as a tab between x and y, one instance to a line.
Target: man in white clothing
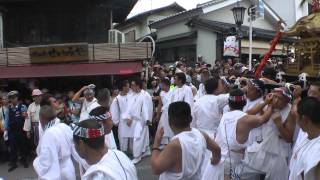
88	102
118	110
53	159
313	91
184	156
48	100
101	115
271	154
208	109
234	130
254	93
31	124
182	92
106	164
162	111
205	75
103	98
305	160
138	117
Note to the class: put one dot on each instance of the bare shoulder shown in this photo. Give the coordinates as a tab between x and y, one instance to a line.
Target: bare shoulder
174	144
245	118
173	147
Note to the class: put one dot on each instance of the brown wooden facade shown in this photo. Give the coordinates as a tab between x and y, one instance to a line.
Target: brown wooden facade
39	22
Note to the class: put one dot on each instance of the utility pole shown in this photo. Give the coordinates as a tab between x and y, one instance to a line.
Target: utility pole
251	13
256	10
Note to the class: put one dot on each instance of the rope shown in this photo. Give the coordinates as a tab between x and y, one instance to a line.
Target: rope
121	165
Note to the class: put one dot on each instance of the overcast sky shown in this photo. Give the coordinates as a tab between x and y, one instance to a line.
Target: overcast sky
145	5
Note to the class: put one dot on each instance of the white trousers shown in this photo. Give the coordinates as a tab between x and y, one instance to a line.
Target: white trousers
126	144
141	143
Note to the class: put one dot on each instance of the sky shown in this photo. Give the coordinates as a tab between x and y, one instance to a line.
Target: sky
146	5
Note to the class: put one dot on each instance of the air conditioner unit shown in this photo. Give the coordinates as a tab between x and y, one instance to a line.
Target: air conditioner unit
116	36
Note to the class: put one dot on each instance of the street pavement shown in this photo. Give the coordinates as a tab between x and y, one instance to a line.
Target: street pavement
143	168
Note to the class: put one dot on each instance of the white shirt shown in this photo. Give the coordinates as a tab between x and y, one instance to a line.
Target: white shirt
304	159
183	94
114	165
271	155
270	128
311	158
296	166
207	112
256	133
165	99
56	120
201	91
164	121
87	107
118	108
227	135
140	111
33	116
54	154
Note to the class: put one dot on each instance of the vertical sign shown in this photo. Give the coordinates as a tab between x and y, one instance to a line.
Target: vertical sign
231	46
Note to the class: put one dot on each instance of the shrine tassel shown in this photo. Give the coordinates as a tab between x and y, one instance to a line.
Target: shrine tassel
267	55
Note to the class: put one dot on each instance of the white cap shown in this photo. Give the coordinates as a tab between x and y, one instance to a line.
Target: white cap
36	92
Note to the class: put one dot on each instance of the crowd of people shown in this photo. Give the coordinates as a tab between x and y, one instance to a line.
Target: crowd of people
196	123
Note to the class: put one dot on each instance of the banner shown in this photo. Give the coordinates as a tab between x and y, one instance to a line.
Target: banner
231	46
61	53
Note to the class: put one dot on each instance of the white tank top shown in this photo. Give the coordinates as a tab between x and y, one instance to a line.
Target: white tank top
227	132
193	148
87	107
271	142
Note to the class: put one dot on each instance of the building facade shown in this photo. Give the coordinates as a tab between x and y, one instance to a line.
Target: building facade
293	11
201	32
137	27
42	39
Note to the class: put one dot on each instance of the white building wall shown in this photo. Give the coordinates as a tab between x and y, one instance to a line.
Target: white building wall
136	28
173	29
225	15
206	45
142	28
289	10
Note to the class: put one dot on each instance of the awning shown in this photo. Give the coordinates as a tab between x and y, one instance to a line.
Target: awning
63	70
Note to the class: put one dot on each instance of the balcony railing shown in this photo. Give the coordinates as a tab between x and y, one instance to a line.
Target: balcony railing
93	53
